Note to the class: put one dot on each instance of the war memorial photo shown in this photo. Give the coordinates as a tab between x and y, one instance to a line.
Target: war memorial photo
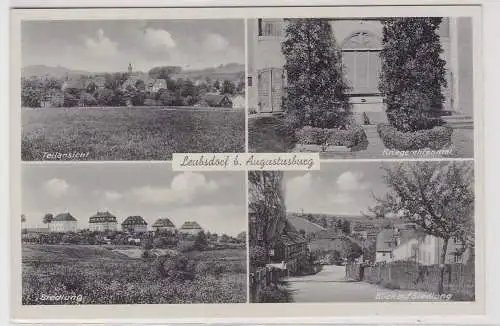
361	88
123	234
131	90
363	232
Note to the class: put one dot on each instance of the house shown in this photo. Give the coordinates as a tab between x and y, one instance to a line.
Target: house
360	42
238	102
290	245
74	83
154	85
53	99
135	224
164	225
385	244
190	227
103	221
216	100
64	222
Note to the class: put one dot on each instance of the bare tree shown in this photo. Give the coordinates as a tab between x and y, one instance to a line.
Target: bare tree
437	196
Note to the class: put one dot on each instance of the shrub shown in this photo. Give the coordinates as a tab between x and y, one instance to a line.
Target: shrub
258	256
214	268
316	87
413	72
436	138
174	266
350	137
273	294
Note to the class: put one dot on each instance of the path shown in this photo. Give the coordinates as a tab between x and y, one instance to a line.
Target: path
330	285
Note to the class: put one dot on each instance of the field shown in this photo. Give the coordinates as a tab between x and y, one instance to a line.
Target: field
137	133
84	274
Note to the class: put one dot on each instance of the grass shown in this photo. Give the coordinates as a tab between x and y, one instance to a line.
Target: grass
123	133
103	276
269	134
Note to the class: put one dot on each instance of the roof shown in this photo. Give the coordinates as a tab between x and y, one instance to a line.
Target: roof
158	82
100	217
214	99
189	225
163	222
407	235
385	240
77	83
291	238
134	220
64	217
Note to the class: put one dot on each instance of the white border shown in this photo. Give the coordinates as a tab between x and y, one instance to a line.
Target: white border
394	310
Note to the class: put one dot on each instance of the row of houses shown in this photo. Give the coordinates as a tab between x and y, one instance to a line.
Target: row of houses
408	243
105	221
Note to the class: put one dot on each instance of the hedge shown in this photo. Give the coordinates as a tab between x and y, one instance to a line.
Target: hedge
335	137
436	138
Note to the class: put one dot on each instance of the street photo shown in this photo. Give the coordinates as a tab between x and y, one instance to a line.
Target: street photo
363	232
132	234
362	88
131	89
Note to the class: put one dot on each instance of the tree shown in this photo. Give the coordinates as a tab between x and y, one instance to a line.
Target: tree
47	218
413	72
217	85
104	96
224	238
30	93
70	100
228	87
165	97
23	218
346	227
200	242
437	196
324	222
140	85
316	90
91	87
87	99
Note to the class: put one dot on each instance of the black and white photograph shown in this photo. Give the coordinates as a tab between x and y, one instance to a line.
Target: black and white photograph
363	232
131	89
132	234
362	88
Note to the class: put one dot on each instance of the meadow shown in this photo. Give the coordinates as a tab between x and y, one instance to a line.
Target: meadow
103	275
130	133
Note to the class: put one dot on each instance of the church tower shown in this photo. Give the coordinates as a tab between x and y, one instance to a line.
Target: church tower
130	68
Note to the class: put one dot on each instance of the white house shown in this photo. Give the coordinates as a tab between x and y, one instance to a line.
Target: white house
103	221
360	42
164	224
135	224
238	102
190	227
64	222
385	244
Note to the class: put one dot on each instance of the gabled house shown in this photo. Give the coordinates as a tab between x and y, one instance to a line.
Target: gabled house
216	100
164	225
385	244
64	222
135	224
190	227
103	221
154	85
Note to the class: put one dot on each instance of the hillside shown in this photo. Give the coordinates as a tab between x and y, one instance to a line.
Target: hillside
301	223
232	71
55	72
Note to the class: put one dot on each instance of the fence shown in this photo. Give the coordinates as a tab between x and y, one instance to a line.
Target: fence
458	280
262	278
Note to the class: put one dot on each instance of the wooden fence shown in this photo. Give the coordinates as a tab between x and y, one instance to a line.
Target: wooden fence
459	280
262	278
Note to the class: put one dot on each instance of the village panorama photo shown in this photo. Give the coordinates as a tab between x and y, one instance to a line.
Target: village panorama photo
363	232
131	89
131	234
362	88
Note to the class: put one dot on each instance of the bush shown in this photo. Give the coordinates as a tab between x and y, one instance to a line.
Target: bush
413	72
436	138
258	256
273	294
350	137
214	268
174	266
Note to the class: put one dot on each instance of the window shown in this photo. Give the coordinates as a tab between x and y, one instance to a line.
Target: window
249	81
270	27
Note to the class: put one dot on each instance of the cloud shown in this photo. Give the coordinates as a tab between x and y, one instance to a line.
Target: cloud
342	198
112	195
298	186
351	181
56	187
183	188
101	46
215	43
159	40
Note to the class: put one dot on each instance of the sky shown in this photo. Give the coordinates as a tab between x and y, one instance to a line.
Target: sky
216	200
344	188
109	46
